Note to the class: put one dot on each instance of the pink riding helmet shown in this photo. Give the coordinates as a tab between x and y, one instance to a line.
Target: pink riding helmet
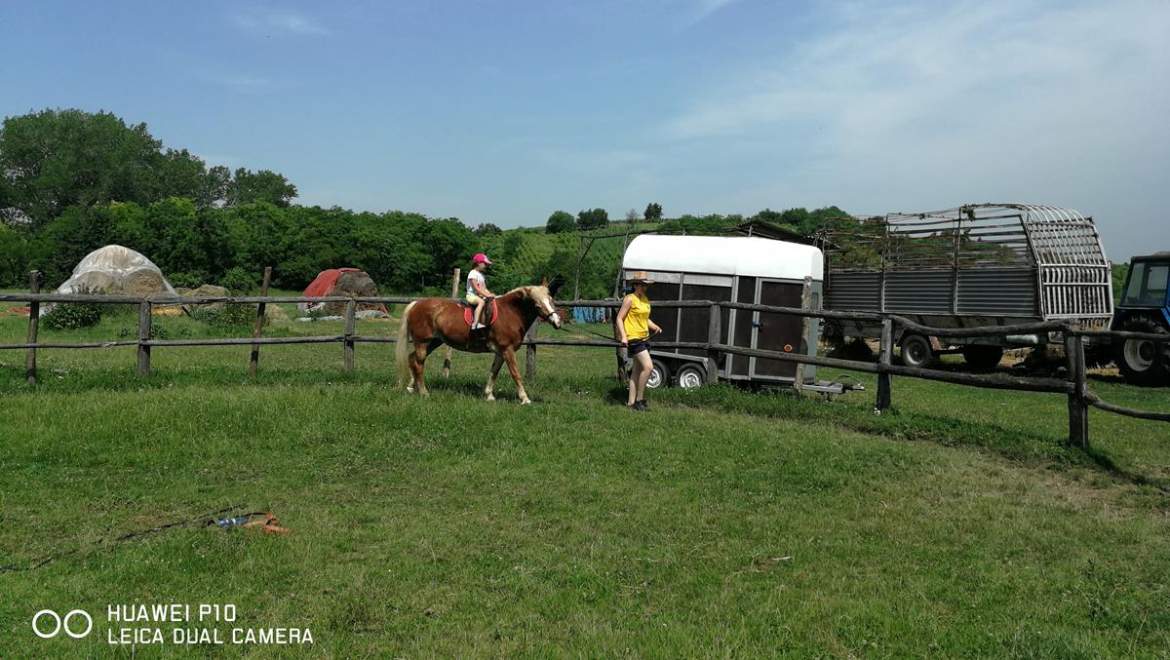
481	258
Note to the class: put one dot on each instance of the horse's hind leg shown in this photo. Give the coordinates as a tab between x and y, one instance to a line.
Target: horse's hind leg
510	358
418	360
489	391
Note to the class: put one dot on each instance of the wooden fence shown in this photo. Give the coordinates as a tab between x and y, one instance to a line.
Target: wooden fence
1075	386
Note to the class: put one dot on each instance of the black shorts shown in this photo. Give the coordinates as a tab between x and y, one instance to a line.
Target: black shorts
637	346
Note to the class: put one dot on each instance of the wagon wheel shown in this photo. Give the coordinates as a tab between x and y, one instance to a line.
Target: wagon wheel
982	357
917	351
691	376
1141	361
659	375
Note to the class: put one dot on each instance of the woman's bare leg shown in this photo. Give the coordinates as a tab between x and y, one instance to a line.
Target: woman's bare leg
635	374
645	367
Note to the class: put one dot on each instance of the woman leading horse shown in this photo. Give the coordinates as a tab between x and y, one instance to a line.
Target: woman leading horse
428	323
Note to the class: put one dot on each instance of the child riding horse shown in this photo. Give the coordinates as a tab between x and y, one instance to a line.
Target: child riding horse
431	322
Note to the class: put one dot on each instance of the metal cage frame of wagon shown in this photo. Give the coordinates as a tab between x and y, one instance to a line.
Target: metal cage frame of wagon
1015	261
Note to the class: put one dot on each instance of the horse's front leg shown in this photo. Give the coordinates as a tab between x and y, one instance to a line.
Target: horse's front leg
510	357
489	390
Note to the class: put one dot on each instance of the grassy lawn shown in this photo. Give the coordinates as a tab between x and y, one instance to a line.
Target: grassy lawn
719	523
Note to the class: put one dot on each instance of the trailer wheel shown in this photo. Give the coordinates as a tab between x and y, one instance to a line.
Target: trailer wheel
982	357
917	351
659	375
691	376
1141	361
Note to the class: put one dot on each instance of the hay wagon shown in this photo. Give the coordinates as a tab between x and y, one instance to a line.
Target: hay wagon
975	265
731	269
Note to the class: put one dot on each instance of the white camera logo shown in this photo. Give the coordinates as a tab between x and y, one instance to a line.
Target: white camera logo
57	623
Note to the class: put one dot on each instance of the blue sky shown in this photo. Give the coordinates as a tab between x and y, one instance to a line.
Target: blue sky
504	111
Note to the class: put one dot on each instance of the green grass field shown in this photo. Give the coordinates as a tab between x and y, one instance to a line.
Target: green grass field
719	523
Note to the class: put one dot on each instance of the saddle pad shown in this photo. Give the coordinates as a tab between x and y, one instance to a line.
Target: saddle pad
489	313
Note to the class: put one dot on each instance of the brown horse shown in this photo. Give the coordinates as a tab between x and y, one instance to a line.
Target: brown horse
429	323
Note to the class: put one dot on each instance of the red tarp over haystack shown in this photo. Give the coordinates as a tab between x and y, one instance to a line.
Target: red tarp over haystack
351	282
323	284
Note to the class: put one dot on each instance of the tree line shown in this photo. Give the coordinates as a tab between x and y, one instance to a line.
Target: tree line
73	181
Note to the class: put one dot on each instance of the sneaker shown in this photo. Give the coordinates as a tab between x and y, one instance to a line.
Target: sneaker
642	405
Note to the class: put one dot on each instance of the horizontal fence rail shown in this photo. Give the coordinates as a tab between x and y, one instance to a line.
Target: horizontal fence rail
1075	386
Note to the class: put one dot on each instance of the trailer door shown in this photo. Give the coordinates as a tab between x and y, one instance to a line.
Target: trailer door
777	332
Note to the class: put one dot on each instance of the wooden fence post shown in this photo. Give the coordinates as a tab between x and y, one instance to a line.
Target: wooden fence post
254	358
884	394
806	304
530	353
34	320
622	355
714	329
143	337
454	294
1078	405
350	328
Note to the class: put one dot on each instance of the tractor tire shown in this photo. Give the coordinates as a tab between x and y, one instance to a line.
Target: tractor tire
981	357
659	375
1141	361
691	376
917	351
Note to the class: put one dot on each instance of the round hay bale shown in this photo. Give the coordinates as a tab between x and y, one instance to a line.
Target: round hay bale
144	282
96	281
356	284
275	313
205	291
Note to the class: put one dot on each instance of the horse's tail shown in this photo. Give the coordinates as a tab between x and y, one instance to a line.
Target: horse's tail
402	349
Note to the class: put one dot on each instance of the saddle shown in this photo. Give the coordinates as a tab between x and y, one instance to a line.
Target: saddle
487	318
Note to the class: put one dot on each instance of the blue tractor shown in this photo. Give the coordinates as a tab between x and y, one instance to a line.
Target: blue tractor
1145	307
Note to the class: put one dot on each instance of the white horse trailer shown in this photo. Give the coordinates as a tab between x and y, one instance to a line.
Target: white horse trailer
741	269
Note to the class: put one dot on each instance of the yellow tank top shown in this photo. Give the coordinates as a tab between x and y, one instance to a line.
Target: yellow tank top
637	321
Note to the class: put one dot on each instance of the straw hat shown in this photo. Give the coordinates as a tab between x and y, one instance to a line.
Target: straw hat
639	276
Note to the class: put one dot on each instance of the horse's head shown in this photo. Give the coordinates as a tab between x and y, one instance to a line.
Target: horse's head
542	297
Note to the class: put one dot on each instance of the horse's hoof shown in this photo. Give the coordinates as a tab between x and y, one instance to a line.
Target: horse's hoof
489	397
525	401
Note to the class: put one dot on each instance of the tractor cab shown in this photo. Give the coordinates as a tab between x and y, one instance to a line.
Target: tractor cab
1146	286
1145	307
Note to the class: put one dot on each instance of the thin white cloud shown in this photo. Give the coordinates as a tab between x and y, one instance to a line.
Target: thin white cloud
699	10
278	22
708	7
918	104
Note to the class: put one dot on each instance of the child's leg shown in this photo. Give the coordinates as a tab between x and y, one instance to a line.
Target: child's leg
478	311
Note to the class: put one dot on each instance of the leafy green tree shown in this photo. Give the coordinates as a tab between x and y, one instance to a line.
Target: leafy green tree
450	243
13	256
247	187
592	219
653	211
55	159
559	222
487	229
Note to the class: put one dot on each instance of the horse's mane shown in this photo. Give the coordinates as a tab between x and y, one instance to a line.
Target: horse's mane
522	291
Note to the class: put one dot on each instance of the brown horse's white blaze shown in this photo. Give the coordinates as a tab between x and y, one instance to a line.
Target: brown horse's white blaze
431	322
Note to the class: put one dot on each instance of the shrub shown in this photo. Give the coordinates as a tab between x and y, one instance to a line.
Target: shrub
186	280
72	316
231	315
238	281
